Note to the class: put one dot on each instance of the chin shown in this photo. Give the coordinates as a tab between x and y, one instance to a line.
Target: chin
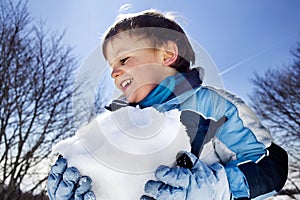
140	93
136	99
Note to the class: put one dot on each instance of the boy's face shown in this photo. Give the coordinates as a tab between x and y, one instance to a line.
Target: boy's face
137	66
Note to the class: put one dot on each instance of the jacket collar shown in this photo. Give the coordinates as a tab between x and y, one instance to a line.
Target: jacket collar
173	87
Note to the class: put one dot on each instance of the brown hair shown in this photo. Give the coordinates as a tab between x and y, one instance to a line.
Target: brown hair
157	28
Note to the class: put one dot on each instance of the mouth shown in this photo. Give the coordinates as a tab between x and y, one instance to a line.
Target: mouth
124	84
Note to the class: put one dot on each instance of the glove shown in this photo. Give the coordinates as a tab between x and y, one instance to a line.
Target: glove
66	183
191	179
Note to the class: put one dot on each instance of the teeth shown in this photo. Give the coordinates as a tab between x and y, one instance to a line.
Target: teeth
125	83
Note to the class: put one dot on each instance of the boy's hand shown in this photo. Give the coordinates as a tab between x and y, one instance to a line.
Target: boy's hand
182	183
66	183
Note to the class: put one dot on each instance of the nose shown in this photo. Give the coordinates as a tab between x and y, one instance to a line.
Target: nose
116	72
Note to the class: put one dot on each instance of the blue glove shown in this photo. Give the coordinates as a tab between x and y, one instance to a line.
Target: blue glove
66	183
192	180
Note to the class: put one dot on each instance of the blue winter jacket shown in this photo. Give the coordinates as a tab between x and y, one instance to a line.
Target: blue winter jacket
255	166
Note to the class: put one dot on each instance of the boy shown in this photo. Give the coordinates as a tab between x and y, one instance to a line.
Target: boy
150	57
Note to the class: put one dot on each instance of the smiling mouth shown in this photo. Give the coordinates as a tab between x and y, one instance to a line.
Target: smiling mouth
125	83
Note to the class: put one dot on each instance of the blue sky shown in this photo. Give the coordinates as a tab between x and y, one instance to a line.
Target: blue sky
241	37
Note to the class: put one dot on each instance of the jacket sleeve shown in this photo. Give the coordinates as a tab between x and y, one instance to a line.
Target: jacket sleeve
269	174
259	166
254	164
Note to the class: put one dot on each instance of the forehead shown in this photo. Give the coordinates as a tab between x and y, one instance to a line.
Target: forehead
124	43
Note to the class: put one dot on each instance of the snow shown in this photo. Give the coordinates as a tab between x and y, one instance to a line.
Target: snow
120	150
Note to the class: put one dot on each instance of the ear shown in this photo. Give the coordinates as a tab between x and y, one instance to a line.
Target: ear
170	53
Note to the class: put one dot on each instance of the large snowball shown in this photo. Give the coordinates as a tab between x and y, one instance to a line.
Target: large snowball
120	150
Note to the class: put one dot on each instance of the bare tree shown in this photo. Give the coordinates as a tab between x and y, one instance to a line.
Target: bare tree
36	86
276	99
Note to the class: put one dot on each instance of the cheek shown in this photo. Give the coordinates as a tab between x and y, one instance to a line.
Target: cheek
154	75
150	72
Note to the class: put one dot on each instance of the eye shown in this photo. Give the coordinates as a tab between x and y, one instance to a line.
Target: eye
124	60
